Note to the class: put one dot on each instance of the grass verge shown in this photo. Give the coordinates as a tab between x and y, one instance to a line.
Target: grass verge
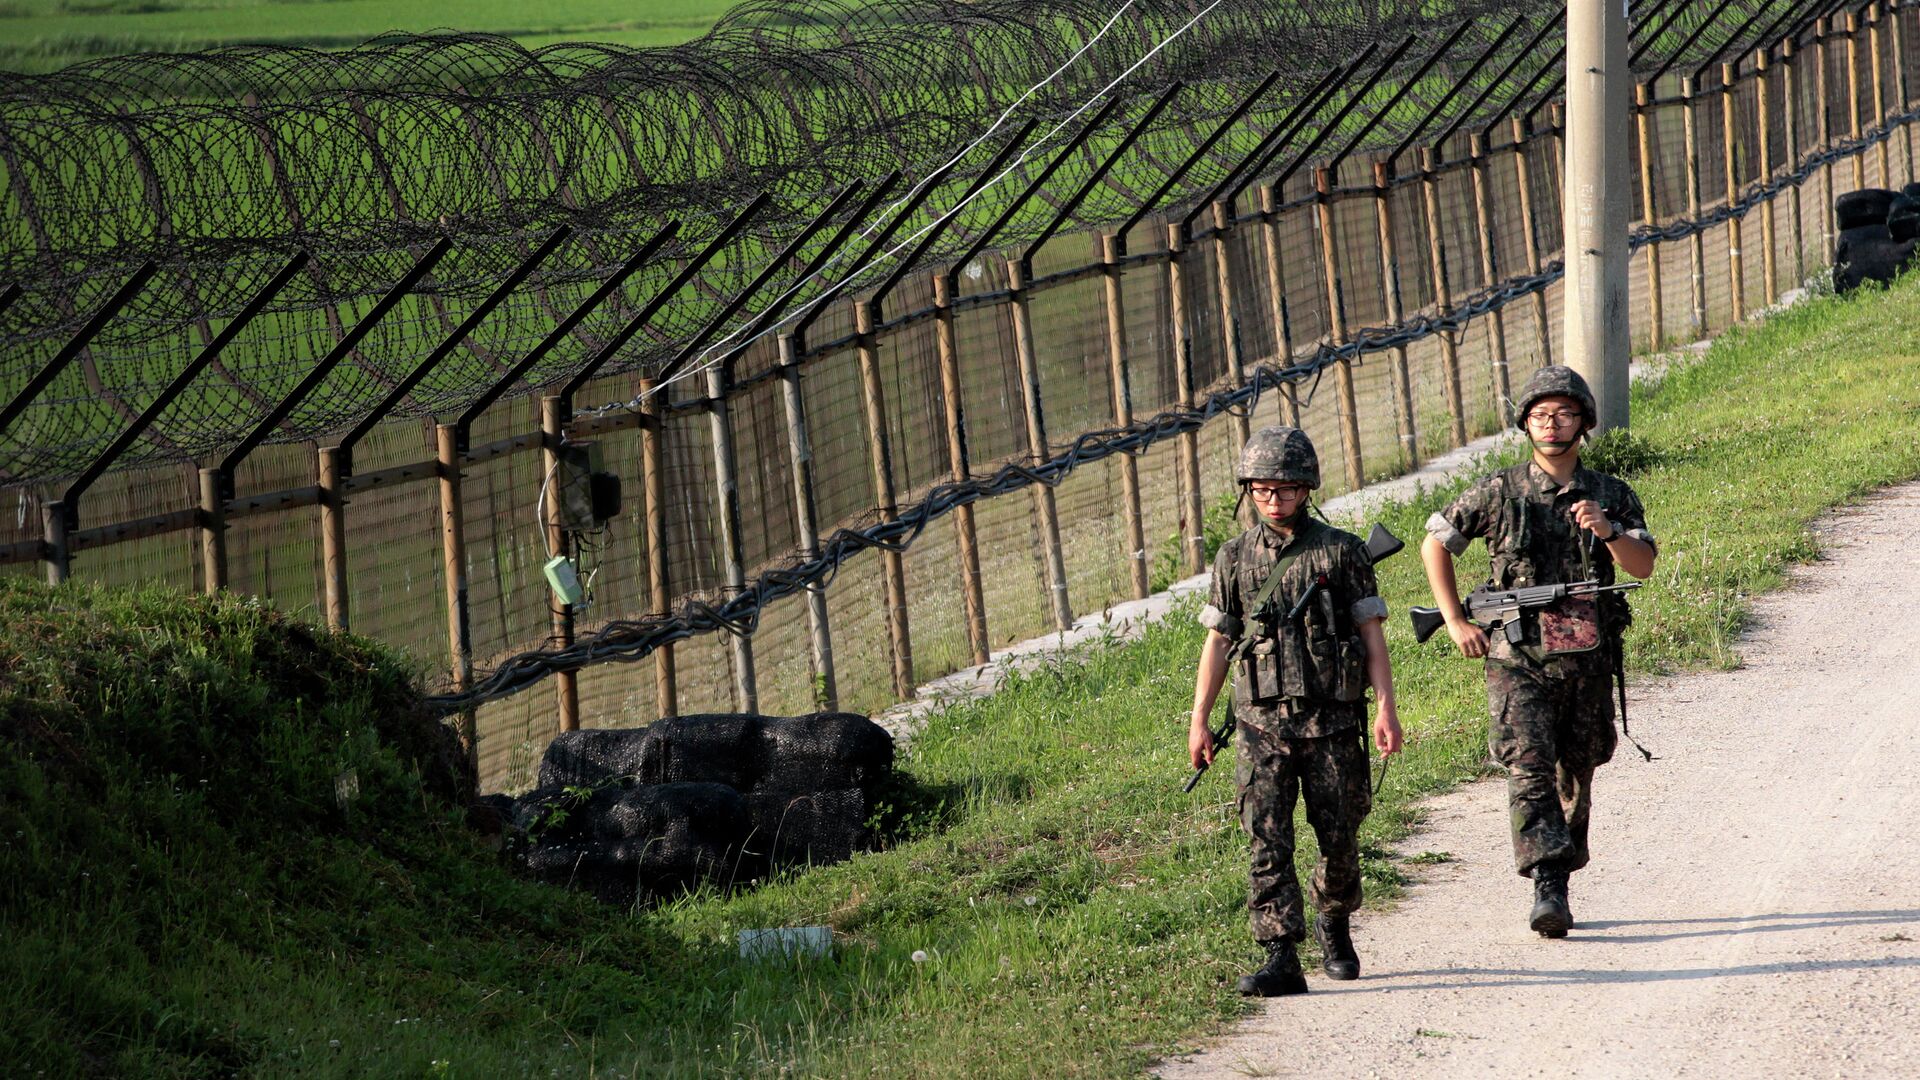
185	894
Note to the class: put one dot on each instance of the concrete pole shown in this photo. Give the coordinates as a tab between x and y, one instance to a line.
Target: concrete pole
1594	201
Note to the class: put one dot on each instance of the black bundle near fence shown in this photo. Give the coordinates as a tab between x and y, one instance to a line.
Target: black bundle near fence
813	282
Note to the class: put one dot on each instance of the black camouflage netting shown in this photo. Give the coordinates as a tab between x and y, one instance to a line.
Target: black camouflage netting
217	165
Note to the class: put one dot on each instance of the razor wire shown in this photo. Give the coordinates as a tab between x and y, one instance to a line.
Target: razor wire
215	165
627	640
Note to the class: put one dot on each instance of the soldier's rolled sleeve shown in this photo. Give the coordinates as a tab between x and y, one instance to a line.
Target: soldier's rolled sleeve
1631	519
1368	608
1450	538
1222	610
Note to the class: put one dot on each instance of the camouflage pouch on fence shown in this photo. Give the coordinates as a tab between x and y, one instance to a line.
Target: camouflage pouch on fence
1570	625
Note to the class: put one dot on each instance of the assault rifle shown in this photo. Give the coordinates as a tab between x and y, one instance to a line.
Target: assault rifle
1380	545
1501	609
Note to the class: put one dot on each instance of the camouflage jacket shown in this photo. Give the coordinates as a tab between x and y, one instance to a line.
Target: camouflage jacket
1308	679
1527	521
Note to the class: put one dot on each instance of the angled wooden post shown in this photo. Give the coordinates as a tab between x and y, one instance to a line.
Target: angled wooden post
1337	328
1900	97
1229	322
826	690
972	590
1879	93
1390	280
1736	263
726	476
1530	237
1763	123
1121	386
653	471
1277	294
1853	96
880	447
1040	451
1193	539
1489	274
1442	299
1822	93
1649	212
1696	248
1790	110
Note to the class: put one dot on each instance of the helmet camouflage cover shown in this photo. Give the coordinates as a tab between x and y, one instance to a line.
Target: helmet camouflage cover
1555	380
1280	453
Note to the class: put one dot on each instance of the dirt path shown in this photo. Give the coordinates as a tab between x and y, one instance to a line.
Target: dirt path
1753	908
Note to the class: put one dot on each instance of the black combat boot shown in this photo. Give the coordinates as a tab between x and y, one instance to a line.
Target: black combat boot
1336	948
1551	918
1279	976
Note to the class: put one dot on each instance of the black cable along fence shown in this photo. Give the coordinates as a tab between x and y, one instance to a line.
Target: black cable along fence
479	221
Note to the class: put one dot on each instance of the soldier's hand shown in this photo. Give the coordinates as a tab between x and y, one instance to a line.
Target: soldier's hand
1592	517
1470	638
1386	733
1200	743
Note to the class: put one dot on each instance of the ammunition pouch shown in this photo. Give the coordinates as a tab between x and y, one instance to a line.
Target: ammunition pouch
1570	625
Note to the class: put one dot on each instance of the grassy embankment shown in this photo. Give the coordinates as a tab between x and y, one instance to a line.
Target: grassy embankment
184	894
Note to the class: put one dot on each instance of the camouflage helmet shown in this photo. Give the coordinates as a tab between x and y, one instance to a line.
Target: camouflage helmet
1280	453
1555	380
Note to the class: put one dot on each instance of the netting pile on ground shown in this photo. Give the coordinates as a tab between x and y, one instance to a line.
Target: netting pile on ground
215	166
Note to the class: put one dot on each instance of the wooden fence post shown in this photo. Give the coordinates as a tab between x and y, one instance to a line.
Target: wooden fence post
1790	113
1879	93
1643	122
1489	274
553	420
1530	238
1277	293
826	691
1193	540
213	530
726	476
1822	96
1037	440
1736	264
453	554
972	592
893	565
1390	282
1901	100
1122	389
333	539
1337	324
653	468
1229	322
53	525
1696	248
1853	97
1442	299
1763	117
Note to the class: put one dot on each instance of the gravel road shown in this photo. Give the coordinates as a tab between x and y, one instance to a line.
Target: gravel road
1753	906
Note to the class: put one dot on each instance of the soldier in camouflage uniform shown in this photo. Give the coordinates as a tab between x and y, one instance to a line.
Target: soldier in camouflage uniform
1546	521
1299	699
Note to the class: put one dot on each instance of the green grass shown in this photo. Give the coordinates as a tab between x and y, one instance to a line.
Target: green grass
1078	914
40	35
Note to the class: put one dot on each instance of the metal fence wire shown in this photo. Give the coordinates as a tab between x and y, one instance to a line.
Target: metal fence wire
319	326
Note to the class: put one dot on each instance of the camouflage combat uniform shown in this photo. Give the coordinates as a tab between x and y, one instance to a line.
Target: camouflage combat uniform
1551	717
1300	700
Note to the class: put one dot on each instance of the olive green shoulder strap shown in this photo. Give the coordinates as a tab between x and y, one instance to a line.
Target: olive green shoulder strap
1250	624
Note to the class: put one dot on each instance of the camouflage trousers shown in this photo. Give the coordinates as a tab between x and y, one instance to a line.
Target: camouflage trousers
1273	772
1550	729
